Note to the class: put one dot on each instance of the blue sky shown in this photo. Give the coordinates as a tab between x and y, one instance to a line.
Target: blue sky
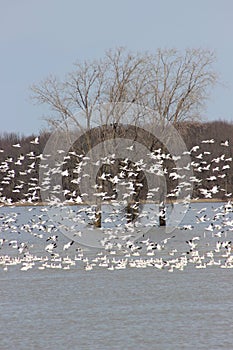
38	38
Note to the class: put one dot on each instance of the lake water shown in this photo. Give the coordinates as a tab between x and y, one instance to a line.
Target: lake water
145	308
128	309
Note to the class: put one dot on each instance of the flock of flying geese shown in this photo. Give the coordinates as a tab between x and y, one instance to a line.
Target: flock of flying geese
205	242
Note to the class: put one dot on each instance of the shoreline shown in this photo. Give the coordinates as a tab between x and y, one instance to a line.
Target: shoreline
45	204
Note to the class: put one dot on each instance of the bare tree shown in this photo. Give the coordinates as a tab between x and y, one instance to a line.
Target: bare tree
180	83
173	85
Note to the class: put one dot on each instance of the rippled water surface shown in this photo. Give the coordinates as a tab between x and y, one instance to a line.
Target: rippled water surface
126	309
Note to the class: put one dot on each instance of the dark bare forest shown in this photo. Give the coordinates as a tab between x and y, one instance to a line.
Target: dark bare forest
210	146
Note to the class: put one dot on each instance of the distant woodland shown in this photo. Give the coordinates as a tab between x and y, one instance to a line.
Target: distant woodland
20	158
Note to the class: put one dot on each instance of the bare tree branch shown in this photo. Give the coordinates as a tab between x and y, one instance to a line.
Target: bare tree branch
174	85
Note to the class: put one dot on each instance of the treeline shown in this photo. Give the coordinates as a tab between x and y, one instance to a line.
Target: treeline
214	155
210	146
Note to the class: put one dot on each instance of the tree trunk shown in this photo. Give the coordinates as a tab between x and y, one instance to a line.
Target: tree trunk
98	215
131	212
162	217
